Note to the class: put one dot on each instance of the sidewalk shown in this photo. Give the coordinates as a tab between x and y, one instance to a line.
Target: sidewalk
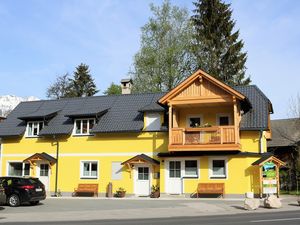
78	209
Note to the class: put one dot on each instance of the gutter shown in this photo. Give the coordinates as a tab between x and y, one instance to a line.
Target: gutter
261	142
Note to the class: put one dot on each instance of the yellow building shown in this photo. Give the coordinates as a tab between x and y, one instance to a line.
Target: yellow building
202	131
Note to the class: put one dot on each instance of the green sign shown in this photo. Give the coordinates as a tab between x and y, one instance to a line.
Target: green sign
269	170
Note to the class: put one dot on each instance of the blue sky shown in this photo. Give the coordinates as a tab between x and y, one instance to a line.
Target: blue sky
43	39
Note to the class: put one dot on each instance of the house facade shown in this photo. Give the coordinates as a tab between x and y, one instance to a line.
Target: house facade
202	131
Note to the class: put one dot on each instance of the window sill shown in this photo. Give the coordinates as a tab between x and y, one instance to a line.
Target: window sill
89	178
218	178
190	177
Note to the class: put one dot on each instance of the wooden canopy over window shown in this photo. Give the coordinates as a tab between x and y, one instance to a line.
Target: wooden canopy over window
141	159
40	157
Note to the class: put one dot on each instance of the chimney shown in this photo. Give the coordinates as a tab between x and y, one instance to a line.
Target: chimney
126	85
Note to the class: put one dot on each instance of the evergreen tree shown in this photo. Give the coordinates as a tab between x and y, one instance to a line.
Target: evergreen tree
82	84
216	47
113	89
164	58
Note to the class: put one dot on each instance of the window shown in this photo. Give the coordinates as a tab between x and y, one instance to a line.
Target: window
34	128
89	169
84	126
191	168
44	170
116	170
153	122
143	173
194	121
223	120
175	169
218	168
18	169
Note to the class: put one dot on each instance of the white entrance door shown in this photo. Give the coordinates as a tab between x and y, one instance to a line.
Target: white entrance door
43	169
174	181
142	180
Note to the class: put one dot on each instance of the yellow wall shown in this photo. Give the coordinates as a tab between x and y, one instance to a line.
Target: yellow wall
242	176
108	148
209	114
105	148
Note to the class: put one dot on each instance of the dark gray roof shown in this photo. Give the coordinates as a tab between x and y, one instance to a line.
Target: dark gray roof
257	117
39	114
116	113
122	114
285	132
144	157
152	107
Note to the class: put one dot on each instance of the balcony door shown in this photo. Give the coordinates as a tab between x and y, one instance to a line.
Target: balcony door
174	177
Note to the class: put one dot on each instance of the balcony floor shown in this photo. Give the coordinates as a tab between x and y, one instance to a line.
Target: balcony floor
205	147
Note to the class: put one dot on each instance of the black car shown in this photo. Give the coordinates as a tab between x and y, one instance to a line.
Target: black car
20	190
2	195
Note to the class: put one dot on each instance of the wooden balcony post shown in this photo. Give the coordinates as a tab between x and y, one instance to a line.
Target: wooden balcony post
235	114
170	123
221	135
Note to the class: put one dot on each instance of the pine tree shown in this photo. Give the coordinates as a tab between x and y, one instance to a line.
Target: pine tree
217	48
163	60
82	84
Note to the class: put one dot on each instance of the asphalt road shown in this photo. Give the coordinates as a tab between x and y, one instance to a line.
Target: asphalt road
288	218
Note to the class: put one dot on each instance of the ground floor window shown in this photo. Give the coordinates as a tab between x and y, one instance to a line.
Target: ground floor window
89	169
191	168
218	168
143	173
18	169
44	170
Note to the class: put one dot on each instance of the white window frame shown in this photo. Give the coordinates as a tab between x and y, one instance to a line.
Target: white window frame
38	132
198	167
194	116
211	175
82	167
23	168
223	115
81	126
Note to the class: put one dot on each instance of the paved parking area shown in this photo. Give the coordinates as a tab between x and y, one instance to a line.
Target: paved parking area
66	209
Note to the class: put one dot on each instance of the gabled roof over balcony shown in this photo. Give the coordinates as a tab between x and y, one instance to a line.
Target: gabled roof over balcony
202	88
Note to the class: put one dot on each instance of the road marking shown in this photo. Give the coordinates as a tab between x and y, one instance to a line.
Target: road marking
274	220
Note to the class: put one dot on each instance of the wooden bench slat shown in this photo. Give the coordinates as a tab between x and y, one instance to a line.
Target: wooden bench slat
211	188
86	188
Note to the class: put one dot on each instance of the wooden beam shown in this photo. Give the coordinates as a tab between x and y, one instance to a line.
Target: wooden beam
235	116
170	123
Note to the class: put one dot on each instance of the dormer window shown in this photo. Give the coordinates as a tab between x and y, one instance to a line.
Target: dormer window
83	126
34	128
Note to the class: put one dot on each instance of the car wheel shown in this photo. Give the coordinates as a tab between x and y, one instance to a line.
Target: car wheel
34	202
13	200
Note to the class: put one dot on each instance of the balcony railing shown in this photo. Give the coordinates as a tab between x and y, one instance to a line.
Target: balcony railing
216	135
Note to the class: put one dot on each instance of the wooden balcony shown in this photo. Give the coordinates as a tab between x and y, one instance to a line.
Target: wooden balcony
216	138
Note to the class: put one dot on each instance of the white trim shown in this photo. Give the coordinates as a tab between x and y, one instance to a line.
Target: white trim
194	116
88	126
17	161
89	177
210	174
108	154
218	115
38	128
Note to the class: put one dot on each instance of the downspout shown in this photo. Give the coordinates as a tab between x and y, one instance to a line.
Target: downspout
260	141
56	167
